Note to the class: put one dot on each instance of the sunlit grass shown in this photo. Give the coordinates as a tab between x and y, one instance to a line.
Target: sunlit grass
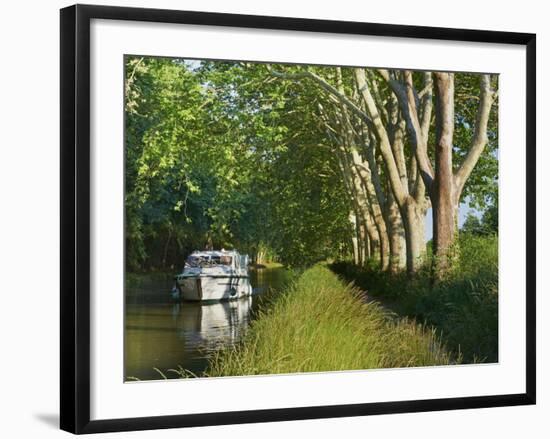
322	324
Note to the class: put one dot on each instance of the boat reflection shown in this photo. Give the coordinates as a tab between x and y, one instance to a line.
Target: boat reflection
166	335
210	326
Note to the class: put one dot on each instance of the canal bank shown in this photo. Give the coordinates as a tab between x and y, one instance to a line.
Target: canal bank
321	324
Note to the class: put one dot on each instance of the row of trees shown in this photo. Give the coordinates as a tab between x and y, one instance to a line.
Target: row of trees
303	163
393	132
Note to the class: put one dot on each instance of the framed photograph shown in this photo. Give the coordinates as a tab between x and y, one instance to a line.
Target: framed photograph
272	218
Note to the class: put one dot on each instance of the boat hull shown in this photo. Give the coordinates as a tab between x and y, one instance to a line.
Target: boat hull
206	288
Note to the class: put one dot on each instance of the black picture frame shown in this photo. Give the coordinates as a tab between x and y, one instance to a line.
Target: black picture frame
75	217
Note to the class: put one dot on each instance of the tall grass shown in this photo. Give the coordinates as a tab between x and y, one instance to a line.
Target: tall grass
463	308
322	324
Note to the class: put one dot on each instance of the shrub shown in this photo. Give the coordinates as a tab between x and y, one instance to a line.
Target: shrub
463	309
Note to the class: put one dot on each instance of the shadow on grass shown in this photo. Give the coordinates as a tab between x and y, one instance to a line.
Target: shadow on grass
463	309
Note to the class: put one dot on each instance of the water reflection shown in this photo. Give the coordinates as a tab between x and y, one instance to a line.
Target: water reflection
165	335
211	325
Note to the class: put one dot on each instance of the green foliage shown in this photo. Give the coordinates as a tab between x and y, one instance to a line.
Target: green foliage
223	154
481	188
486	225
321	324
472	225
220	155
463	309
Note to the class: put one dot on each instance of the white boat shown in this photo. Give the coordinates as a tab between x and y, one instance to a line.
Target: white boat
213	275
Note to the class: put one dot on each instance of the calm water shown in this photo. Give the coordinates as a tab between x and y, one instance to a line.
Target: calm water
163	334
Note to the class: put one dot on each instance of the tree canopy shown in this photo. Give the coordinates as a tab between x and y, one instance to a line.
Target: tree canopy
292	163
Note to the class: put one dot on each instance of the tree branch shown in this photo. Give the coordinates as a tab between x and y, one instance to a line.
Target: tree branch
479	139
326	86
407	98
400	191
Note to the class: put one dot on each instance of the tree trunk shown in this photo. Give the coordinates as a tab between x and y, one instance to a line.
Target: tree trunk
373	237
384	244
396	175
363	244
367	246
443	187
367	201
443	190
415	236
371	203
354	237
396	231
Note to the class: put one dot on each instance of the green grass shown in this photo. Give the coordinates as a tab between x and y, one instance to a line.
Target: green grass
463	308
322	324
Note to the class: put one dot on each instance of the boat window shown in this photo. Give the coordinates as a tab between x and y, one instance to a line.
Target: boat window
207	261
195	261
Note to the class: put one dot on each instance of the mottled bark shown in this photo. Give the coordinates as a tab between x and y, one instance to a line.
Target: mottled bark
374	239
364	176
391	148
444	187
361	210
363	244
396	232
414	217
354	237
399	192
367	247
368	196
368	199
417	125
443	190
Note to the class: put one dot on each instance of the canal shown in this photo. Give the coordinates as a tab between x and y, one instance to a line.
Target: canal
163	334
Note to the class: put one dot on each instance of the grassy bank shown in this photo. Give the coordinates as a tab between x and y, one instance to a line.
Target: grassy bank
322	324
464	308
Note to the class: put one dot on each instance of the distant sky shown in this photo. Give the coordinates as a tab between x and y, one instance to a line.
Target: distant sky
192	64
